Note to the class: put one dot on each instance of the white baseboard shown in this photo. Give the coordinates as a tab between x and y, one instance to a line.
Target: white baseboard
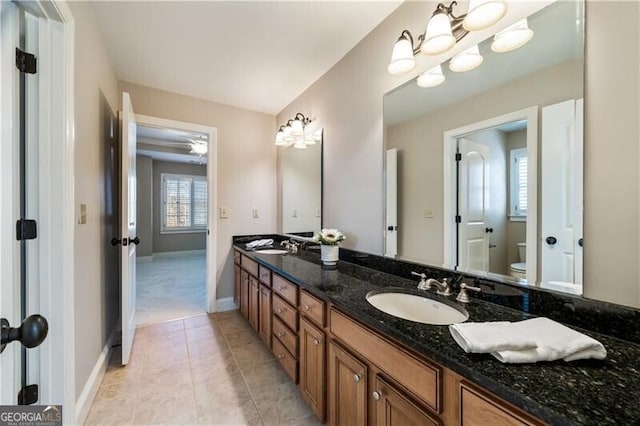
225	304
178	253
144	259
90	390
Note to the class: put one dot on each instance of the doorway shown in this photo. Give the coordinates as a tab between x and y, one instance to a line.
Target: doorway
172	224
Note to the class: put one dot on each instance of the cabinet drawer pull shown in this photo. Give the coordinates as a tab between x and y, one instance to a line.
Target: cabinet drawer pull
316	342
280	356
280	310
357	378
377	395
307	307
280	288
280	334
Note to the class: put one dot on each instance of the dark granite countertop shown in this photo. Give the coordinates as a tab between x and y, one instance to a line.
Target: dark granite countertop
586	392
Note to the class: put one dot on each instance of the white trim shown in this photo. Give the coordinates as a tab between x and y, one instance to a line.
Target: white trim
225	304
212	195
449	149
90	390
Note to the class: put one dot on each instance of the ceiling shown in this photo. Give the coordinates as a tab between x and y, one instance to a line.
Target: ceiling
254	55
168	144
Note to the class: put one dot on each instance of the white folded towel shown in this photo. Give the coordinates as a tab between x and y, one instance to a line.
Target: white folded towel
487	337
259	243
529	341
554	341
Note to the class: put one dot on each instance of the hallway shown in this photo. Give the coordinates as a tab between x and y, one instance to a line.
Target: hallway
216	370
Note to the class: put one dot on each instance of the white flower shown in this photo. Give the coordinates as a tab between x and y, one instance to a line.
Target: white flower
329	237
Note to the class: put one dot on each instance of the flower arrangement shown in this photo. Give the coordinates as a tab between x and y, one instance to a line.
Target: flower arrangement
329	237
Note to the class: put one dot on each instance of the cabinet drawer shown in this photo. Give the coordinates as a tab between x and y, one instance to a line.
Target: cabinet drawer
289	363
287	337
236	257
249	265
478	409
394	408
312	308
285	312
265	275
288	291
418	377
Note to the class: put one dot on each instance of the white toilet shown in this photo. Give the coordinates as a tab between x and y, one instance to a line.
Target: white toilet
519	269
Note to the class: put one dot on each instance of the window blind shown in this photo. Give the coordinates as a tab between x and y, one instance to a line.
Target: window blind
185	202
518	182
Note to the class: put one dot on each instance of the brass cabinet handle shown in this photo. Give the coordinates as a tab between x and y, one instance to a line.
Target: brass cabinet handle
377	395
357	378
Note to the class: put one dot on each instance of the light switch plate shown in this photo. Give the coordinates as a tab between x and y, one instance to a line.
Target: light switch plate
295	212
223	213
428	214
82	214
255	213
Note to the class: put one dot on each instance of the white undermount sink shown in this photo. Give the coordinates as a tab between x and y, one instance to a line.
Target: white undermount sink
272	251
416	308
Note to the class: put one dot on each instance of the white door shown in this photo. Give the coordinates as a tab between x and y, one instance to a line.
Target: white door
473	208
561	193
128	226
391	229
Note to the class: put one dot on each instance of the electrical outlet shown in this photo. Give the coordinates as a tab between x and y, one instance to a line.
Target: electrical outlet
295	212
255	213
428	214
223	213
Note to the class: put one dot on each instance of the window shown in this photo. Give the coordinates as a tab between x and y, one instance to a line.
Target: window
184	203
518	184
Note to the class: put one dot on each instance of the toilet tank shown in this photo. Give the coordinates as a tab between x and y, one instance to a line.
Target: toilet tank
522	252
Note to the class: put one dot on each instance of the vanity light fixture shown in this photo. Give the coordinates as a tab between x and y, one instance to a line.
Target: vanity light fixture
199	146
512	37
294	132
466	60
443	31
432	77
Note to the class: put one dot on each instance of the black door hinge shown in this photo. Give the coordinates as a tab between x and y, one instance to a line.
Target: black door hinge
26	62
26	229
28	395
458	218
458	156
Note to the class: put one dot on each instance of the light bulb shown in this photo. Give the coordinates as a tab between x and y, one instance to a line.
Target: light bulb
483	14
466	60
402	57
512	37
438	36
432	77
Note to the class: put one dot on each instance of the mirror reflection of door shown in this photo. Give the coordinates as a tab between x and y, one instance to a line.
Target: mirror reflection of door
491	181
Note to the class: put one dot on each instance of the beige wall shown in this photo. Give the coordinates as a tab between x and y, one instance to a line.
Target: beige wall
246	177
173	242
144	205
96	262
348	102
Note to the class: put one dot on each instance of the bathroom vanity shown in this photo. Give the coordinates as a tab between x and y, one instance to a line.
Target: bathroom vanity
355	364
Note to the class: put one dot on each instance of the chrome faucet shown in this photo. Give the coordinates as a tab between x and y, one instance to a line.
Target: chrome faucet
422	285
291	246
463	296
443	288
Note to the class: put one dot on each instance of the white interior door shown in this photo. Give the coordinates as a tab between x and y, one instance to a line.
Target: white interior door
391	229
473	206
561	193
128	226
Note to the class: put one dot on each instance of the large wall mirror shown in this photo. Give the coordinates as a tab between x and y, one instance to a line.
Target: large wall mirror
484	172
301	187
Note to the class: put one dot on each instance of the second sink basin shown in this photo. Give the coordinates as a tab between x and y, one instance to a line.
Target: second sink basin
416	308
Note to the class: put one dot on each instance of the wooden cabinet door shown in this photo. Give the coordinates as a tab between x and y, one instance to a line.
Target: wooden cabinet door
312	366
254	302
265	315
347	396
394	408
244	293
236	285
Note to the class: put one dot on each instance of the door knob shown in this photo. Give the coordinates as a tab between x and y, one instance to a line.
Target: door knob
580	242
115	241
31	332
377	395
488	230
551	240
135	241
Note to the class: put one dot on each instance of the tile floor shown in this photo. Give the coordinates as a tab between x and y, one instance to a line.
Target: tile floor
209	369
170	287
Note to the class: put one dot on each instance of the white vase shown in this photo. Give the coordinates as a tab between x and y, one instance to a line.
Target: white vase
329	254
